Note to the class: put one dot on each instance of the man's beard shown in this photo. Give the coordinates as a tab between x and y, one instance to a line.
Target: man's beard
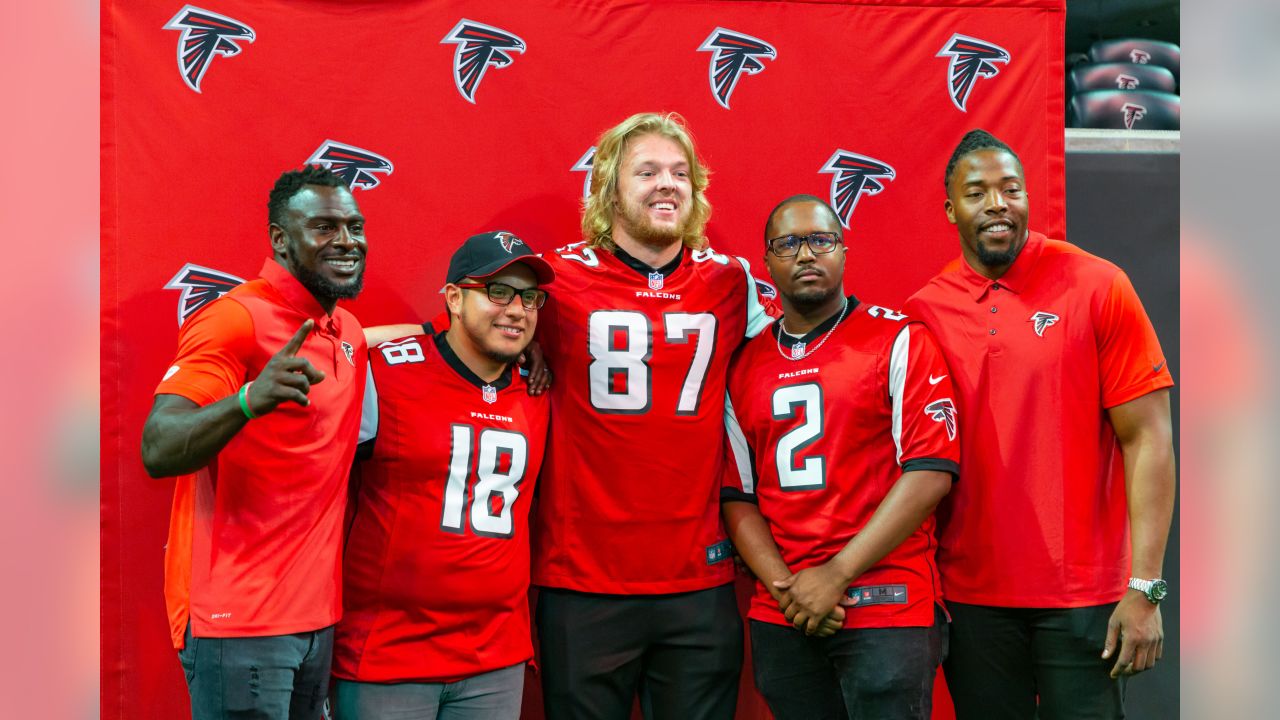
504	358
324	288
812	297
999	258
641	229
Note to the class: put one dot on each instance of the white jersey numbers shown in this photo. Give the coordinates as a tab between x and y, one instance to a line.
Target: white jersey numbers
886	313
794	472
405	351
502	459
621	345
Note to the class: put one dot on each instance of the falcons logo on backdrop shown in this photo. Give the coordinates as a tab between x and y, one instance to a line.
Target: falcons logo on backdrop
1133	112
943	411
854	176
508	241
765	289
1043	320
971	58
200	286
1141	57
1126	82
584	164
479	46
356	166
205	34
733	55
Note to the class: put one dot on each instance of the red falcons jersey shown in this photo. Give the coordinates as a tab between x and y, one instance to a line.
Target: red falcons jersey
819	441
436	570
628	498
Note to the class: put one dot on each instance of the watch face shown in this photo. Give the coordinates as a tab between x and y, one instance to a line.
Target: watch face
1159	589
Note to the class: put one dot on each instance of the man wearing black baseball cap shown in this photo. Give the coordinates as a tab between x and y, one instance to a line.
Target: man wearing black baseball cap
436	571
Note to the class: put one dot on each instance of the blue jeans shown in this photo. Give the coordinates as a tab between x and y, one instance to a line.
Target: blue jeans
277	677
881	673
493	695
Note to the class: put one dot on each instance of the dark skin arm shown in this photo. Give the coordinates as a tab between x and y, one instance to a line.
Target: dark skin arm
809	594
1145	432
755	545
181	437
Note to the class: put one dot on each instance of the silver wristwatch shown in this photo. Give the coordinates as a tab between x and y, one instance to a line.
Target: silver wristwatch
1155	590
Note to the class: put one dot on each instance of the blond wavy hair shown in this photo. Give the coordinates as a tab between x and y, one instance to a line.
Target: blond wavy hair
598	207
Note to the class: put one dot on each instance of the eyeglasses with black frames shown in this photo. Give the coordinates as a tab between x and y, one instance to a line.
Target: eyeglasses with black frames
503	294
820	243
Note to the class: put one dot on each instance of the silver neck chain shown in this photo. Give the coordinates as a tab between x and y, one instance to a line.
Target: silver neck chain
806	353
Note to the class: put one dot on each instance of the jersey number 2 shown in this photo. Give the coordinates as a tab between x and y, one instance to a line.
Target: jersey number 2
493	481
794	473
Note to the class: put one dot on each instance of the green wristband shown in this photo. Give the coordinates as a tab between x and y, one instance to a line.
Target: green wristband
244	401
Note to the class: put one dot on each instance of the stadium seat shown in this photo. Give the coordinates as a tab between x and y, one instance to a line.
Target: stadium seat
1138	51
1125	110
1120	76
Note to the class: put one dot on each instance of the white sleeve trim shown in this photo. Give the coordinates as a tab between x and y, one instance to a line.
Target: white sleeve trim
741	451
898	360
369	409
757	318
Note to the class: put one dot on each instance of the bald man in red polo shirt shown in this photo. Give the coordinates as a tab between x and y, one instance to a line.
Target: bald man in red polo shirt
1051	545
259	414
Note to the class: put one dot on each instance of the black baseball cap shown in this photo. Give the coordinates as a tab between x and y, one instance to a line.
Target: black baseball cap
488	253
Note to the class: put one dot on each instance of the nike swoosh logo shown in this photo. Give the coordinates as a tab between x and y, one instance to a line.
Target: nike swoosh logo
935	380
1156	368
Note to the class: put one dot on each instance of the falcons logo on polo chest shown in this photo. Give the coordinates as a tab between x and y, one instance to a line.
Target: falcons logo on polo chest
734	54
971	59
479	47
204	35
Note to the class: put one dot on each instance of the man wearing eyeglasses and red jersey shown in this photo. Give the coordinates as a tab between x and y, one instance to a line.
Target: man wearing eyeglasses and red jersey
843	432
436	571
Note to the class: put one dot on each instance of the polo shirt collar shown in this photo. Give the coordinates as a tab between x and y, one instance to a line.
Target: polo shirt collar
1016	279
293	292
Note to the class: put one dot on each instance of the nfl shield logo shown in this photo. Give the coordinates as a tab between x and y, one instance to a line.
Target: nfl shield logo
797	351
489	393
655	280
350	352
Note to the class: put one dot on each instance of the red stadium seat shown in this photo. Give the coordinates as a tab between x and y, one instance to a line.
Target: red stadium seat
1120	76
1125	110
1138	51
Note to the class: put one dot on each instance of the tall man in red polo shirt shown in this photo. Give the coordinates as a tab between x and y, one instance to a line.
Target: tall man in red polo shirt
259	415
1051	544
843	431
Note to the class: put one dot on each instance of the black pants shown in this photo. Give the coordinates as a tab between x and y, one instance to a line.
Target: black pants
1002	659
278	677
881	673
682	653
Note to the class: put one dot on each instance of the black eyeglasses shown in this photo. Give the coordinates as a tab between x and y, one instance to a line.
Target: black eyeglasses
820	243
503	294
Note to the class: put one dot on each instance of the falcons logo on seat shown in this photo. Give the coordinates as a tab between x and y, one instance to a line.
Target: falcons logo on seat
356	166
200	286
854	176
971	58
1043	320
1140	57
943	411
1133	112
204	35
733	55
585	164
479	46
1126	82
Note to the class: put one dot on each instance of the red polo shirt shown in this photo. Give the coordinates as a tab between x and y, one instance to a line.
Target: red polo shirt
1039	518
255	536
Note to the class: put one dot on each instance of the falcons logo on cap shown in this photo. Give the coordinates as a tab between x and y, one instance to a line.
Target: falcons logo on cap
1043	320
479	46
733	55
585	164
356	166
855	175
508	241
971	58
1133	112
205	34
200	286
943	411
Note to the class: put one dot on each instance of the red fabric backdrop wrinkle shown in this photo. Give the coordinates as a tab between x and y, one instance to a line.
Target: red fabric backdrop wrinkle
185	175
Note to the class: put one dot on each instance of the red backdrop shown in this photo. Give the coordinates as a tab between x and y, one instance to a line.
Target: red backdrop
203	107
